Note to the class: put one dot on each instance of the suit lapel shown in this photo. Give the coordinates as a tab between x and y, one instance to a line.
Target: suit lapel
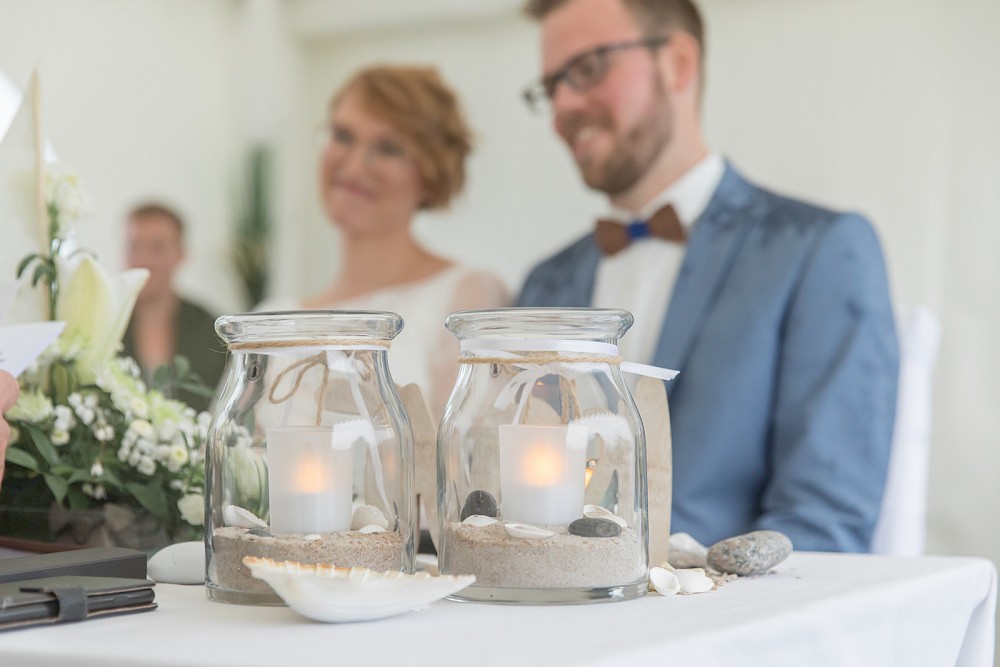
712	246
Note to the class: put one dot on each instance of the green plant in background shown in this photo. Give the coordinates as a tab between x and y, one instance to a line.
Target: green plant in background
253	226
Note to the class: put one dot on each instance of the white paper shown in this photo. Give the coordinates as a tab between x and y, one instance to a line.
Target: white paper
20	344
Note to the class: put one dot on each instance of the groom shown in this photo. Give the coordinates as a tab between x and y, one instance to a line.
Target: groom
775	312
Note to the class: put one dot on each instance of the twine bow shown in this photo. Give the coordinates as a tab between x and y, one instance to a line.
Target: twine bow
304	365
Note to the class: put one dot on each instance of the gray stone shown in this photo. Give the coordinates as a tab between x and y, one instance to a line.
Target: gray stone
753	553
479	502
594	527
259	532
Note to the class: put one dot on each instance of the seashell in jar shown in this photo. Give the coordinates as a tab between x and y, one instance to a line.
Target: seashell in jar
479	521
664	581
598	512
371	528
366	515
237	517
338	594
527	531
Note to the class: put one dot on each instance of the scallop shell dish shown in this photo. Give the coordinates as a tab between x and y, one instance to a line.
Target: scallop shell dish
339	594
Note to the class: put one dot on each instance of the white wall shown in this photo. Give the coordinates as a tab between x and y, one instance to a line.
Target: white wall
138	97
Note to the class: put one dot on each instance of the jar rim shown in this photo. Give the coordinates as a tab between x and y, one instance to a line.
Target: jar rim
309	326
602	324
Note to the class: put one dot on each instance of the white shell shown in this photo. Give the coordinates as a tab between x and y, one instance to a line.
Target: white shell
371	528
339	594
233	515
663	581
598	512
527	531
479	520
694	581
312	537
366	515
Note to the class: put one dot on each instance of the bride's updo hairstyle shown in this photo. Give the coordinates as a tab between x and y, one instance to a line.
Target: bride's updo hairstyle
418	104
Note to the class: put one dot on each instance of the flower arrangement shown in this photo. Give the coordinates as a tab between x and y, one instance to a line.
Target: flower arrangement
86	423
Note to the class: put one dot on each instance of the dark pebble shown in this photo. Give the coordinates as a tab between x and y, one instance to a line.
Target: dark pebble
479	502
753	553
594	527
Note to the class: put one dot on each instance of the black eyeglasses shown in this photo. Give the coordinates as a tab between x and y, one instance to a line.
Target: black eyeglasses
583	71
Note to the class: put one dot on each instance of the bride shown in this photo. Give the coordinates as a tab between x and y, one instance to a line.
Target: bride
395	143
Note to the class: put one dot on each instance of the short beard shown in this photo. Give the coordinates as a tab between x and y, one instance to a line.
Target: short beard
633	156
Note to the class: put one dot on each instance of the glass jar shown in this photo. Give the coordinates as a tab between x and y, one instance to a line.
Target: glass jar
541	460
310	451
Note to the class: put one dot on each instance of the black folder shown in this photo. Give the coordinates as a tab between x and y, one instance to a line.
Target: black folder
71	598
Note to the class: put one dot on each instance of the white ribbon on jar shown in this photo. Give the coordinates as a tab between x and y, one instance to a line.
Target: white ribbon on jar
502	351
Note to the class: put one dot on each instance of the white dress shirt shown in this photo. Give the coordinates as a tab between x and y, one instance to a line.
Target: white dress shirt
640	278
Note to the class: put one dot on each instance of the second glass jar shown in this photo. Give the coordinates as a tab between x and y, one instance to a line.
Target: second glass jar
541	460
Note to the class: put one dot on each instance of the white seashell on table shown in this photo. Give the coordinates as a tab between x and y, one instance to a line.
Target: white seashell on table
238	517
663	581
338	594
694	581
527	531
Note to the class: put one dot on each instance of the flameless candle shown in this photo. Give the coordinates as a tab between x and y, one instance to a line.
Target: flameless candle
310	480
542	473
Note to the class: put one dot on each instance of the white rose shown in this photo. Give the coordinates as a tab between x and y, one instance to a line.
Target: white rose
192	507
147	466
59	437
142	428
179	454
31	407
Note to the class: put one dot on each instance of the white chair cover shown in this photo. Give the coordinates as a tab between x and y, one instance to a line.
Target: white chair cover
901	528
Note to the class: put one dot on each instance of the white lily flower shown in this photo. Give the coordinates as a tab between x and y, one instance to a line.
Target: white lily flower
96	307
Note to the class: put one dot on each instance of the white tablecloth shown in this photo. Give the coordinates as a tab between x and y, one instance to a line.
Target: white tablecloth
816	609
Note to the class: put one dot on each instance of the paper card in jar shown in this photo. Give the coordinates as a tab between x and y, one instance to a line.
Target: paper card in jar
20	344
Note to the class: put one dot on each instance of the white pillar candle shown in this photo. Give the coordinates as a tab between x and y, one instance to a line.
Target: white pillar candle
542	473
310	480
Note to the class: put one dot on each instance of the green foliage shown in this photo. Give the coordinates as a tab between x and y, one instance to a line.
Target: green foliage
253	226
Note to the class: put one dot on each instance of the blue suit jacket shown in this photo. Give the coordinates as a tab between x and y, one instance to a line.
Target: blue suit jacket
781	327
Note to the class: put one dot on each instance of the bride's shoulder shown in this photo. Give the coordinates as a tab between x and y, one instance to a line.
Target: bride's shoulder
477	288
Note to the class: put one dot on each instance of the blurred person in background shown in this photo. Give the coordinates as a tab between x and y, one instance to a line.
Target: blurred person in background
164	325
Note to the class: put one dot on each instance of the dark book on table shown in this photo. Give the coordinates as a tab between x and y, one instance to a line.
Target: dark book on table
71	598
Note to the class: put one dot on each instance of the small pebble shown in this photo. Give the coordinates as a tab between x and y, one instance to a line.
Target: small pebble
752	553
259	532
479	502
593	527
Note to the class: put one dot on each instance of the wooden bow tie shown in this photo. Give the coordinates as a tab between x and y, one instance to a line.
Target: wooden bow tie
611	236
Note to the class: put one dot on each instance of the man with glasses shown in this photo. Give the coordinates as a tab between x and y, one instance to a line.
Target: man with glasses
775	312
